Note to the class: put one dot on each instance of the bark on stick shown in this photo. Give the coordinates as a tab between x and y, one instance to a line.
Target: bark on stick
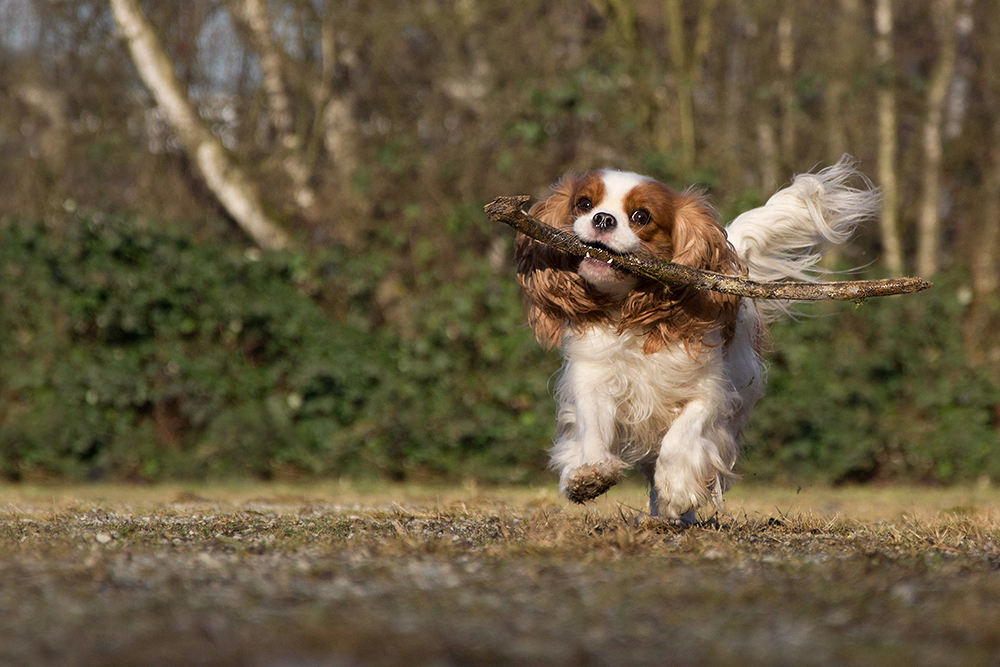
508	210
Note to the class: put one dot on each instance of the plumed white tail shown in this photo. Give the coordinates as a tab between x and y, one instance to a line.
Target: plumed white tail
784	238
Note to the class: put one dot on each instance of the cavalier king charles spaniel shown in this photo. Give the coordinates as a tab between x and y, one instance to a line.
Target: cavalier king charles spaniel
659	377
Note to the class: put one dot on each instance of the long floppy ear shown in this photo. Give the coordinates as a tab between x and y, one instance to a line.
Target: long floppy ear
555	293
699	240
668	314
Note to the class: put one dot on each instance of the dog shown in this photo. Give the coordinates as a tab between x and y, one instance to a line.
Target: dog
664	378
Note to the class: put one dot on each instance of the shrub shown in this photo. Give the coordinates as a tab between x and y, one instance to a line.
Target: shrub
882	391
138	353
132	351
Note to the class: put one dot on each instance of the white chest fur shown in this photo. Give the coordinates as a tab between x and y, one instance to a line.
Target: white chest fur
615	398
607	374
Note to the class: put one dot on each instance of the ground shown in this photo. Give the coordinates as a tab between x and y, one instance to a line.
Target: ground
334	574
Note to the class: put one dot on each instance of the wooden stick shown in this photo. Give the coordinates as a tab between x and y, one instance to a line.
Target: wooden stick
508	210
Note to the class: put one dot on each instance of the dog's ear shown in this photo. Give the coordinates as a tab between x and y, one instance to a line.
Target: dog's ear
555	293
698	239
668	314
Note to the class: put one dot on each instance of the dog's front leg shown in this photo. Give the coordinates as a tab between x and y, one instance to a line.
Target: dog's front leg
586	430
696	453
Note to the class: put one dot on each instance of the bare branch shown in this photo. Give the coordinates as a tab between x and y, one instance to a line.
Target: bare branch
223	176
253	15
508	211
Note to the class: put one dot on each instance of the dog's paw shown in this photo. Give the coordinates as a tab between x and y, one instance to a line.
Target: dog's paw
659	524
678	506
589	481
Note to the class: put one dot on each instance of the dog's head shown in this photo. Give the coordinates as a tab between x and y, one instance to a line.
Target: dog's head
623	212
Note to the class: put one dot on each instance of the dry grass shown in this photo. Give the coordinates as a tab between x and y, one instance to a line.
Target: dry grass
340	575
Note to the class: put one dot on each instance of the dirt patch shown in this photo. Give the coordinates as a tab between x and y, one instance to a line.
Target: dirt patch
271	576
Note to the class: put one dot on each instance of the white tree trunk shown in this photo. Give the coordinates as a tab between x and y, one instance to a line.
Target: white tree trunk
965	69
688	66
733	105
786	65
982	343
767	146
843	60
254	15
226	181
887	130
336	128
673	15
54	138
928	239
986	255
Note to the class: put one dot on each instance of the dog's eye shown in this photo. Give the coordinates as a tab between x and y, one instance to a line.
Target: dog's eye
640	216
584	204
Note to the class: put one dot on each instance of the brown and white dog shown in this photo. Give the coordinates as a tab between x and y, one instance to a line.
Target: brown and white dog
664	378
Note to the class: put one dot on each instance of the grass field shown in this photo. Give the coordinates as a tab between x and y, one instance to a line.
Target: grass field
342	575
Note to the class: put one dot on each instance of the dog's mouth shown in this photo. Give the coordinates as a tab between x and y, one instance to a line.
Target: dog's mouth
601	274
597	245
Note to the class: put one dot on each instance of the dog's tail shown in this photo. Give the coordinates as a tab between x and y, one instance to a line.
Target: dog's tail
784	238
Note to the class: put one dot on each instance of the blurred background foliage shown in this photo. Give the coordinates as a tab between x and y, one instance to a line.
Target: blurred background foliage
143	337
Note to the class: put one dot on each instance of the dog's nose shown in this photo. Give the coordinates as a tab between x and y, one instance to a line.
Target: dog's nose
604	221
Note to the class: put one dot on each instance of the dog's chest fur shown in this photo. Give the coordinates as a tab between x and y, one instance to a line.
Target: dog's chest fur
647	390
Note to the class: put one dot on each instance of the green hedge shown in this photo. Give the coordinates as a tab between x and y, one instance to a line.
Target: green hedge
132	351
881	391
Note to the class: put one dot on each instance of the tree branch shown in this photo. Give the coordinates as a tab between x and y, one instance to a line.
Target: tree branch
252	14
223	176
508	211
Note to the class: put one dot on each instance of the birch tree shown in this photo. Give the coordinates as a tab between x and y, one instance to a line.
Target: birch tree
735	75
687	62
928	238
767	146
843	63
786	68
337	131
227	181
253	15
981	340
54	140
887	138
323	120
762	112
